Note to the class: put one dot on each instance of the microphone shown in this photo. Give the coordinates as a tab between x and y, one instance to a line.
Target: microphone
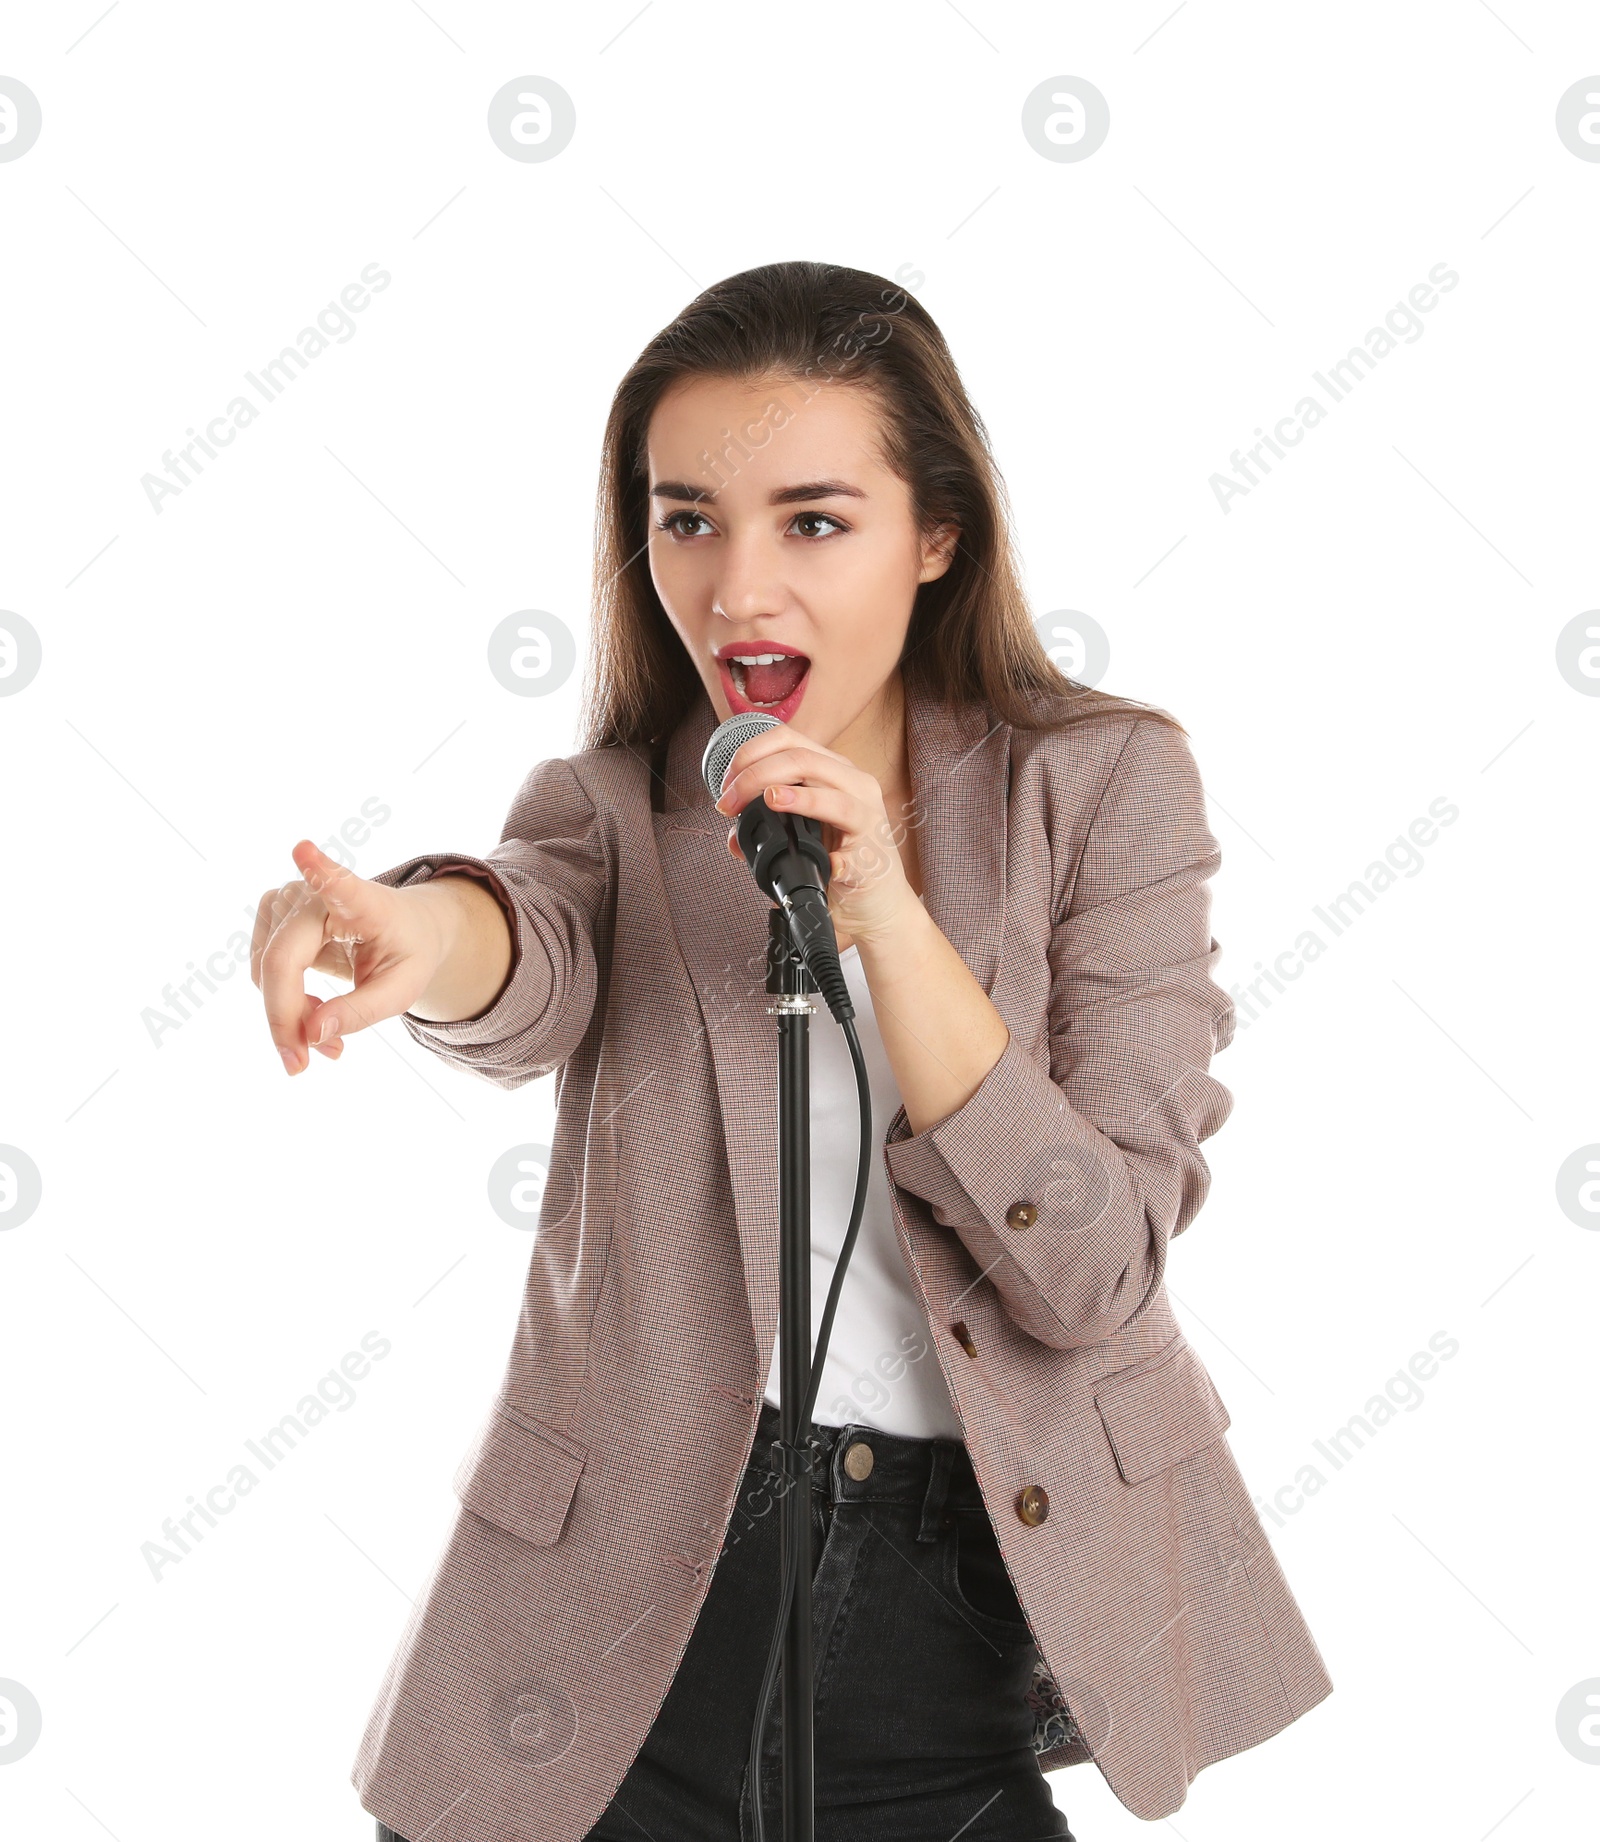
789	861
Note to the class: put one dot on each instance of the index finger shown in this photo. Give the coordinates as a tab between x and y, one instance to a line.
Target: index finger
808	766
762	744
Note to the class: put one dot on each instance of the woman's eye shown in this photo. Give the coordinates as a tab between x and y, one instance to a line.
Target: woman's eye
813	518
670	523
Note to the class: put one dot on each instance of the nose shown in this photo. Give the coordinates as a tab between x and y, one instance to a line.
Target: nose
749	579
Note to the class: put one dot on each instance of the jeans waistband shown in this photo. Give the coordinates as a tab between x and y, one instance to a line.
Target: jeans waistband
863	1464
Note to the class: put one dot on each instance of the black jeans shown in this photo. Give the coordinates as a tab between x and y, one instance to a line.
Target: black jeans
922	1660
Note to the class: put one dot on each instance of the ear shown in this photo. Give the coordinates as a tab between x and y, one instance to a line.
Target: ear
938	551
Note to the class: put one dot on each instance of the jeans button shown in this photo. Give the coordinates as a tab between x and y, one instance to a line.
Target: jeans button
858	1460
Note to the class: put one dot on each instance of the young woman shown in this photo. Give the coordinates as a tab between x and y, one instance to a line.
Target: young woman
1032	1544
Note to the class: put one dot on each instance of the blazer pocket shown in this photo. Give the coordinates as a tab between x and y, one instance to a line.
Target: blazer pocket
1157	1415
521	1475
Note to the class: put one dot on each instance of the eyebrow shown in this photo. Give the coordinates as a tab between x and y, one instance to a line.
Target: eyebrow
781	495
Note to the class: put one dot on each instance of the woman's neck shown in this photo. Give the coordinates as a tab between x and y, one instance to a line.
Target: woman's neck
876	743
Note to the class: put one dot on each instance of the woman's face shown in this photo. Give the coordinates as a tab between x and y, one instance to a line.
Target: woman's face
775	526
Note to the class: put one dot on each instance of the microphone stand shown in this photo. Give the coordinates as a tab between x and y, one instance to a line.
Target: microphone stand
791	866
791	984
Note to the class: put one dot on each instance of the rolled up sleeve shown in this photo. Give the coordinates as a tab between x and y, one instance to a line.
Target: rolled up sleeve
1066	1181
551	874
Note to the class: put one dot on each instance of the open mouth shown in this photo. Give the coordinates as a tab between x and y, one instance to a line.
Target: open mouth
772	682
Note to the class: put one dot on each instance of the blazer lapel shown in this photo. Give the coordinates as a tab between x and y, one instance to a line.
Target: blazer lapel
959	762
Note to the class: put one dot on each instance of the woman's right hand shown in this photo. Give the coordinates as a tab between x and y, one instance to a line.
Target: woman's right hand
389	943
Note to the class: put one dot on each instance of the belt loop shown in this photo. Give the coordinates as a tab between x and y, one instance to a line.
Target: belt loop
933	1502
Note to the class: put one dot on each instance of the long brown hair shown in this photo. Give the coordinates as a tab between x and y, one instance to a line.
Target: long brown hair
971	636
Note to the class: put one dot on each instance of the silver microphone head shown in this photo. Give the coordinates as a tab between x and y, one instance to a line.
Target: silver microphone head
726	740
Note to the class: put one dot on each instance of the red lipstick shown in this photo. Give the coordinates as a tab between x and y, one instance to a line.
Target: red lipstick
738	701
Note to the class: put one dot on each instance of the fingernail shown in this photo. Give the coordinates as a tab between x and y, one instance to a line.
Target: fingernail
776	796
329	1029
291	1060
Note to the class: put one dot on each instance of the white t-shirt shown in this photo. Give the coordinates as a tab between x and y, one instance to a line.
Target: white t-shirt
881	1369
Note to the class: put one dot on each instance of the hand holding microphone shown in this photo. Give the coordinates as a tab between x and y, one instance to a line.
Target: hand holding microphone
855	878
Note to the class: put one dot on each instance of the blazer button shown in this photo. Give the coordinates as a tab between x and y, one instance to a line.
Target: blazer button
1033	1503
1022	1214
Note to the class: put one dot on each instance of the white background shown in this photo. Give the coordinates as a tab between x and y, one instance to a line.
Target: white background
303	630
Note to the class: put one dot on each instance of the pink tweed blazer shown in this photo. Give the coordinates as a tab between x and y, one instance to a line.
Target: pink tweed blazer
1069	868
